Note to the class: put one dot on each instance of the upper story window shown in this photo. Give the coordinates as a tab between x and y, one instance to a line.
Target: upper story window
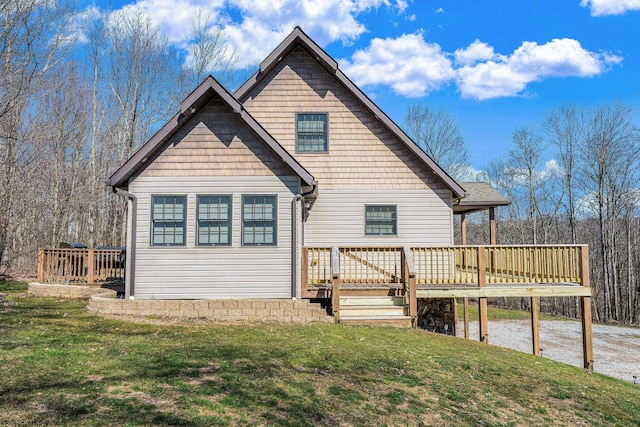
168	218
381	220
214	220
311	133
259	220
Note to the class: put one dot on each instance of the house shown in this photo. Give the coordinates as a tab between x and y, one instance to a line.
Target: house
228	192
298	186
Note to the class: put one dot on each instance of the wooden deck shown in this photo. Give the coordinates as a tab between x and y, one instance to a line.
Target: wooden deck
453	272
82	266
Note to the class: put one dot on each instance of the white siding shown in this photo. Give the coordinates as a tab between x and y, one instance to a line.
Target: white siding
337	218
192	271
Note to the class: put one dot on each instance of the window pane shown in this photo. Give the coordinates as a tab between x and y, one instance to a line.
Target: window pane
381	220
214	220
168	215
259	220
312	132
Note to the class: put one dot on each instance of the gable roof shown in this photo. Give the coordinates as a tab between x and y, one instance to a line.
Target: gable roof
298	38
191	105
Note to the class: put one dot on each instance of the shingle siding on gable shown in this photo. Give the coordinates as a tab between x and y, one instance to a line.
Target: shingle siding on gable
362	152
216	143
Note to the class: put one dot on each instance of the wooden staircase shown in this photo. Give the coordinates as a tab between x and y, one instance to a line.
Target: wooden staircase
374	310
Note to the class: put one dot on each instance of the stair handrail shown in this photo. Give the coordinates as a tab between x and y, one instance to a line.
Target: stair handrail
409	282
335	282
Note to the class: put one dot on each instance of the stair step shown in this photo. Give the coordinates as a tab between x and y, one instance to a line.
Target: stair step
369	301
372	310
397	321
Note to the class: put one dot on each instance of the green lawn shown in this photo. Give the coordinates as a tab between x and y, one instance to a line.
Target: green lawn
61	366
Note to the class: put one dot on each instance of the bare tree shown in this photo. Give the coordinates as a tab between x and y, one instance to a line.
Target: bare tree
31	44
209	52
611	159
438	134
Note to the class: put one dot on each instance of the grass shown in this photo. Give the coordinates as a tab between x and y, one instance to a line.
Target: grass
62	366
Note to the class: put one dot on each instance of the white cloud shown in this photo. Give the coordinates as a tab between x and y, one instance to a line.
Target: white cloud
439	10
408	64
531	62
610	7
174	18
262	24
475	52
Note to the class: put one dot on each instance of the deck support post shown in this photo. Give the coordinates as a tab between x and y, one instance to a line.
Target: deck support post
585	302
335	283
304	270
408	273
535	325
587	339
466	317
91	267
41	265
483	319
463	229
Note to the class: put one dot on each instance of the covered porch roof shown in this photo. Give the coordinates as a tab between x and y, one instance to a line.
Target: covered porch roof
481	196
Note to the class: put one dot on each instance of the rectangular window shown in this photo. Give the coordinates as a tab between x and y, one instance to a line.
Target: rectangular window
214	220
259	220
311	133
168	218
381	220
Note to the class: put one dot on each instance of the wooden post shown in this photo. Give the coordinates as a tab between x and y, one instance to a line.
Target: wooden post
585	302
304	269
482	302
41	261
535	325
335	283
463	229
466	318
409	273
492	236
91	267
492	226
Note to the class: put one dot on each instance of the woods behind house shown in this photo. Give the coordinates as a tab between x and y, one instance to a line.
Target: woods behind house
80	92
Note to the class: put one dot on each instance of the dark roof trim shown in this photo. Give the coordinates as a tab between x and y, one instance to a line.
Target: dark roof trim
188	108
287	46
299	37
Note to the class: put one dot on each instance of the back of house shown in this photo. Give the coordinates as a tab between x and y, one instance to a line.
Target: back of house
224	198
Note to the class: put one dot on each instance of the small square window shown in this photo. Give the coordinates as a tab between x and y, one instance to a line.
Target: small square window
381	220
259	220
214	220
168	218
311	133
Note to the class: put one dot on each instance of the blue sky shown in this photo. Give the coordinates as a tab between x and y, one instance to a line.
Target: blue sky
494	65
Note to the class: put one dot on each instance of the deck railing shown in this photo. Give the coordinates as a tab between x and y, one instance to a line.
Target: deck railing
88	266
373	265
449	265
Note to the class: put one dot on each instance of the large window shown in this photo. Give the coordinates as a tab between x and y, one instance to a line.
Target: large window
214	220
381	220
168	218
259	220
311	133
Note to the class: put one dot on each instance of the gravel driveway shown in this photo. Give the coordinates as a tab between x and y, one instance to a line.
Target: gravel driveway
616	349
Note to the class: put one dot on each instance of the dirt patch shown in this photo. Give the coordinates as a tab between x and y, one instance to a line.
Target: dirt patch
615	348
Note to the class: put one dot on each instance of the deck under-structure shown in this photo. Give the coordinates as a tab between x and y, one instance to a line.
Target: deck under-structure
481	272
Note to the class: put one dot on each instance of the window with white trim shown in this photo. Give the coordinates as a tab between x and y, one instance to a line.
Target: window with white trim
213	220
381	220
259	220
168	215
